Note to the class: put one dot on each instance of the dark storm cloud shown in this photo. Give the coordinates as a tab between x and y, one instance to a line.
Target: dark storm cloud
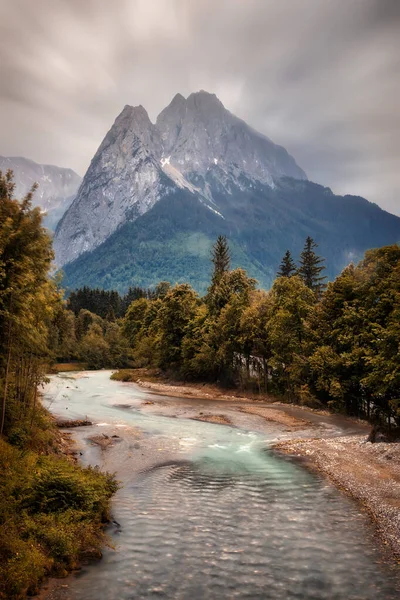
320	77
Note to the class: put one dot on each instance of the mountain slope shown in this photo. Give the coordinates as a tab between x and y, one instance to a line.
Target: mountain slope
196	144
172	241
57	186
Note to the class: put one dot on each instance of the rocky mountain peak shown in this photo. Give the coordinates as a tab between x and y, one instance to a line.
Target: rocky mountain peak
195	144
201	136
178	99
133	123
203	101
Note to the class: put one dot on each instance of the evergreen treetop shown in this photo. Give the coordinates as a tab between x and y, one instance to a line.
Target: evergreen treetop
311	267
287	268
221	258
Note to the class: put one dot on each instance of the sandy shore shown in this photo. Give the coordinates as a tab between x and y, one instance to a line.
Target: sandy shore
370	473
203	391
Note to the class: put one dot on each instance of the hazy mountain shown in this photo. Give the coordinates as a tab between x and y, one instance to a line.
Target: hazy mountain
156	196
195	144
57	186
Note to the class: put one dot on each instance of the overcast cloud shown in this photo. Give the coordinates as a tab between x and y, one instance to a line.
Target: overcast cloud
320	77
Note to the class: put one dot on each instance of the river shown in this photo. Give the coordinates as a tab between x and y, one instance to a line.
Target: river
209	511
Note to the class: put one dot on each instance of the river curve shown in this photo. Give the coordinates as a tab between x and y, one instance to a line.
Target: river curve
208	510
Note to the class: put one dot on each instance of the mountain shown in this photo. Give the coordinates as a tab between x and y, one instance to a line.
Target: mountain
156	196
57	186
196	144
172	241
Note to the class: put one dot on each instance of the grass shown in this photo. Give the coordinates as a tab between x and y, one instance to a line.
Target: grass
124	375
52	511
133	375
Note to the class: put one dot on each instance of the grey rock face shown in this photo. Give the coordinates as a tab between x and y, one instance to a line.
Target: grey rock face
57	186
196	143
123	181
199	134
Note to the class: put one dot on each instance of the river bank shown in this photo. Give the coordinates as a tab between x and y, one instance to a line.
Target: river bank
370	473
52	510
267	406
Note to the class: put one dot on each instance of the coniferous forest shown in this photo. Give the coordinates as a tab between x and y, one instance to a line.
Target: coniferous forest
331	345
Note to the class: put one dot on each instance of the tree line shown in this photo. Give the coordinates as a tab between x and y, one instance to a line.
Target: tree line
109	304
334	346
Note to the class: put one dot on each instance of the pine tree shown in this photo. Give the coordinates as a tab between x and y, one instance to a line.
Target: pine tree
287	268
311	267
221	258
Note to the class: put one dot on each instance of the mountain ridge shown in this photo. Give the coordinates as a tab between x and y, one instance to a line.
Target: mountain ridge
156	195
196	143
173	240
56	190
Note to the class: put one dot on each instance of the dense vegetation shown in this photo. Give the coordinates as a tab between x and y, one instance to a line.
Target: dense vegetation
109	304
50	509
337	348
173	240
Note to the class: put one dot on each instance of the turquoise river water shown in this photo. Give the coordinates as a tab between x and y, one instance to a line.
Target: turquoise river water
208	511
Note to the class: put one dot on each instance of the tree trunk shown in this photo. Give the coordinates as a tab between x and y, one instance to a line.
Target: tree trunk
3	412
265	375
34	403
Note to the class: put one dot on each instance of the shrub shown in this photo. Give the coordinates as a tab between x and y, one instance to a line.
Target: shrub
51	513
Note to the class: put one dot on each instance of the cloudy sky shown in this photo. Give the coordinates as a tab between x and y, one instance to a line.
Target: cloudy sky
320	77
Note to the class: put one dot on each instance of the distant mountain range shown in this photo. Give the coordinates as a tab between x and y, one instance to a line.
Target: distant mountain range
156	196
57	186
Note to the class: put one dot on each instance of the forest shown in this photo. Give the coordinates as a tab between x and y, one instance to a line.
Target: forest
331	345
326	345
51	510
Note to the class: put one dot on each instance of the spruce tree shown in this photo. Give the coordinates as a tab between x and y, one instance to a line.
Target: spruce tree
311	267
287	268
221	258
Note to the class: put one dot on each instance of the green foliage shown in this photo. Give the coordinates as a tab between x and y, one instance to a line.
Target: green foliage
337	348
98	343
355	360
134	319
109	305
50	514
291	307
177	309
51	511
93	348
27	302
221	259
124	375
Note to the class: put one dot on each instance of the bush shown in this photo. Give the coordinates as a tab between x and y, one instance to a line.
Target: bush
124	375
51	514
